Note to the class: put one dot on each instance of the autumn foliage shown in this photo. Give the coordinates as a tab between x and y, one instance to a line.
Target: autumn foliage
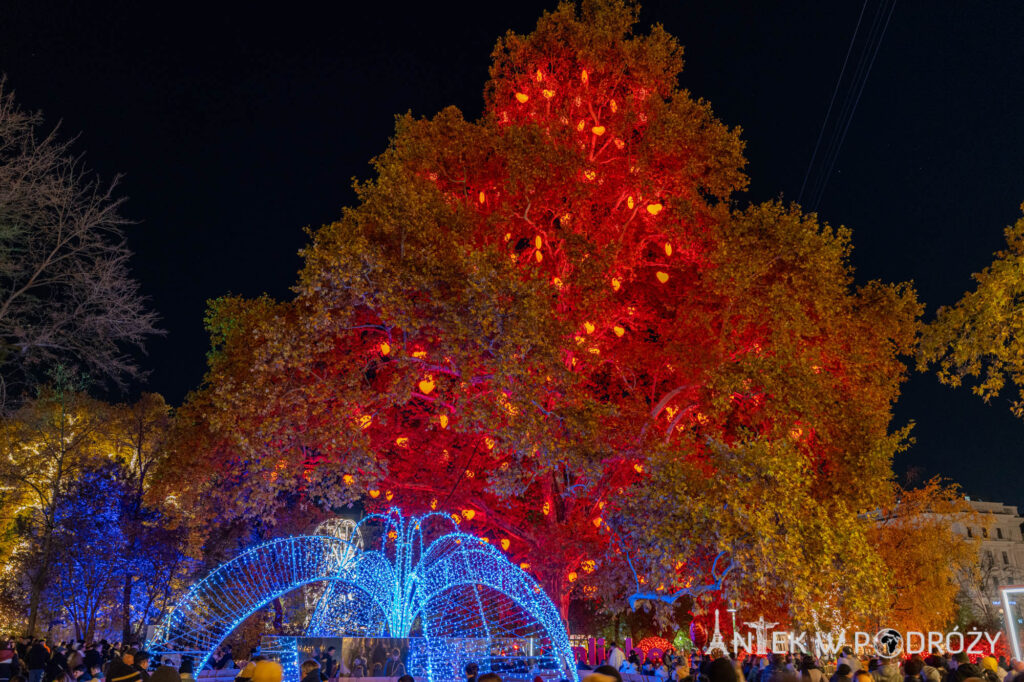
553	323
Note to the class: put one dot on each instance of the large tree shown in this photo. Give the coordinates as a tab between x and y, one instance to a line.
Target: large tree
550	322
66	294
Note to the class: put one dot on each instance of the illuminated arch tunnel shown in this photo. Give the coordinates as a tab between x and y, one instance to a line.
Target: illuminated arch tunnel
458	594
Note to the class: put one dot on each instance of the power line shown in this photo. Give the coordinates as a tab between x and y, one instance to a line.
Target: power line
832	101
865	62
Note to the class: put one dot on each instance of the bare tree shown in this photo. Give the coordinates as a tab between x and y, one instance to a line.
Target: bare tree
66	294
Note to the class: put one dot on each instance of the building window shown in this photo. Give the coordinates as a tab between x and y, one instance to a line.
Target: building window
984	532
1006	558
970	533
999	533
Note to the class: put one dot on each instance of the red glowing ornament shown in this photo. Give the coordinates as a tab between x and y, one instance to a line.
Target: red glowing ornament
654	209
522	97
598	130
375	494
426	386
662	276
385	348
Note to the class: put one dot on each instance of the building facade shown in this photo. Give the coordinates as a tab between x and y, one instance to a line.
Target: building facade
1001	555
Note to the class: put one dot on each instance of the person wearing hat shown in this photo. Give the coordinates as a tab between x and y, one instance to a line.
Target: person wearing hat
990	668
246	673
267	671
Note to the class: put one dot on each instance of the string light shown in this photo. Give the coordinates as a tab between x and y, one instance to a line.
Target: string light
470	600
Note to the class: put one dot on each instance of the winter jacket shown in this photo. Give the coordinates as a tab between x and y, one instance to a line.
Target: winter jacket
165	673
312	676
119	671
37	658
890	672
8	664
963	671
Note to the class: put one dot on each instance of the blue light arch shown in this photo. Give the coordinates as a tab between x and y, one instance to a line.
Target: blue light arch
456	591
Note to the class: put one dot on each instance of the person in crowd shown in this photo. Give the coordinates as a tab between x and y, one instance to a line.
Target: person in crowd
165	673
809	670
142	665
409	678
912	670
394	666
886	671
36	659
75	674
9	664
1016	673
122	669
471	671
185	670
616	656
310	671
92	657
777	671
267	671
490	677
850	659
225	660
961	668
57	666
842	674
722	669
93	673
609	671
927	673
75	657
992	671
329	664
245	674
682	671
359	665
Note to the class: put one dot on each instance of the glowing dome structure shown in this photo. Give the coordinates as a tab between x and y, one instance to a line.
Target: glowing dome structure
457	597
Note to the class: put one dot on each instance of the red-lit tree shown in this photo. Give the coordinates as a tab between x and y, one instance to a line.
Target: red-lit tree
529	318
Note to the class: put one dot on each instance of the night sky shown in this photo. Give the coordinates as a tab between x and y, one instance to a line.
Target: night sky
234	130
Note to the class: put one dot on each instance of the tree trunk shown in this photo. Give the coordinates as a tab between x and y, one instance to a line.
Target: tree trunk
278	617
126	609
558	590
39	582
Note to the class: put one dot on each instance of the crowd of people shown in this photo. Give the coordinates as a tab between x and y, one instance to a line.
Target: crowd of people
847	667
34	660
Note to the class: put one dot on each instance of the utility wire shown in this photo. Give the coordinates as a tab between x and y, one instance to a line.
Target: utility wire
818	182
832	101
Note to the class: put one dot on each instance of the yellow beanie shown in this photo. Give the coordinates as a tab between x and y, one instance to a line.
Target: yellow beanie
267	671
248	670
989	663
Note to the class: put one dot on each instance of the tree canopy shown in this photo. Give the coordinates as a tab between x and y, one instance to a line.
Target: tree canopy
554	323
977	341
